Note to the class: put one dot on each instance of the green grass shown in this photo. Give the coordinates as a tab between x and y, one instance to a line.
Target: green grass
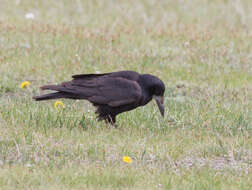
201	49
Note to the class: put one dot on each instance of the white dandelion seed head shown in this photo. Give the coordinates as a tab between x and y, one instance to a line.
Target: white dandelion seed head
29	16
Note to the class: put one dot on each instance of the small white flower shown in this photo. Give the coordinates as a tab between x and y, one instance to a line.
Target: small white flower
29	16
28	165
187	44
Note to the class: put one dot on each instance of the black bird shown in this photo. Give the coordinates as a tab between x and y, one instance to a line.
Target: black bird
111	93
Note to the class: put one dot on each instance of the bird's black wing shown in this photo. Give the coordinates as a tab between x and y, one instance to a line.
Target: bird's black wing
89	76
130	75
116	91
105	90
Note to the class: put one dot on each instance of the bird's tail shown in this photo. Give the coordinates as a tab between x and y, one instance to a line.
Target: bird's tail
50	96
62	93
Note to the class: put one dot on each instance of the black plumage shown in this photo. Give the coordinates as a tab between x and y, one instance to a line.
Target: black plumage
112	93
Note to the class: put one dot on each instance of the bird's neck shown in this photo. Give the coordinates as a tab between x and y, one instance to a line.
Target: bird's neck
147	96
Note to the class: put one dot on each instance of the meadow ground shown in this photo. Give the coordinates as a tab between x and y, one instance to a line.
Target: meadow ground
201	49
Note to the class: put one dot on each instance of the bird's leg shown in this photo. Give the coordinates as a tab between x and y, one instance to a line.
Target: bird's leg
112	120
115	125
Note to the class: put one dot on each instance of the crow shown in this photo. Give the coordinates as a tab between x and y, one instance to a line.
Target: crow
111	93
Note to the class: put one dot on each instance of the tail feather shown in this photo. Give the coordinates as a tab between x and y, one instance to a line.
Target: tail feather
57	95
50	96
51	87
65	90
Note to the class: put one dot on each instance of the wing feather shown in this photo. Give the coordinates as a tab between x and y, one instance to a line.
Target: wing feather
117	92
89	76
106	90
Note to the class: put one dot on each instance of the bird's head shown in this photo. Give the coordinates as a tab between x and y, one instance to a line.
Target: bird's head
156	89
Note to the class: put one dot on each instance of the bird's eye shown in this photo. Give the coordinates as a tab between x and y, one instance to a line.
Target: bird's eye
158	92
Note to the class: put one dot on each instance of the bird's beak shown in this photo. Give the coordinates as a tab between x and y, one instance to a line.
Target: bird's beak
160	103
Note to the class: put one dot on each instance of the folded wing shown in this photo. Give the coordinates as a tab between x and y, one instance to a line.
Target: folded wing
103	90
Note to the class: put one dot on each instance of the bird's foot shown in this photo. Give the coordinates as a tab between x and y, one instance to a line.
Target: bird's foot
115	125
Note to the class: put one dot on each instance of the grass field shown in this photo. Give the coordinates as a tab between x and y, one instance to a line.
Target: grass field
201	49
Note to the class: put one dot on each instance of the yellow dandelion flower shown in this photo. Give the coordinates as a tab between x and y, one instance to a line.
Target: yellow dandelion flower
127	159
59	104
25	84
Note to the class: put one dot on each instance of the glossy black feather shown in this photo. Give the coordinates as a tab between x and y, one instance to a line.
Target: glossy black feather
112	93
